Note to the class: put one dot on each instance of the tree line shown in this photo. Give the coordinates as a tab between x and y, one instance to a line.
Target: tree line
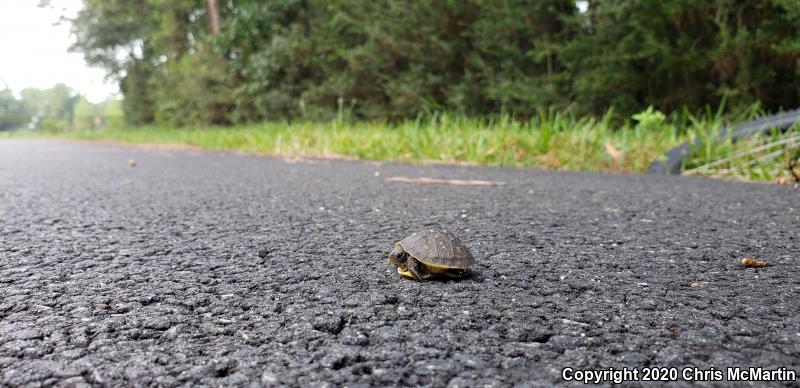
186	62
57	108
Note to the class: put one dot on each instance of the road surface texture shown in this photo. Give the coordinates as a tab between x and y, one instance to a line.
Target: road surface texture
199	268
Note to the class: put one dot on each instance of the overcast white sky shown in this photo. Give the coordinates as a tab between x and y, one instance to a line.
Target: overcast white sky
33	51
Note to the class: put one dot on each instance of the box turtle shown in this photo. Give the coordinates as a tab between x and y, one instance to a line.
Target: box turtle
431	253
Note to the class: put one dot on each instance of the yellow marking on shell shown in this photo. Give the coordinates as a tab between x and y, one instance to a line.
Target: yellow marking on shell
440	272
435	267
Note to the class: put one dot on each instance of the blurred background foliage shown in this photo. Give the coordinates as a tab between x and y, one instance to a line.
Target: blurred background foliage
392	59
58	108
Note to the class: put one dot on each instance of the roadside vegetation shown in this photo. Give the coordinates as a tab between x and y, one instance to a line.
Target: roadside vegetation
526	83
772	156
395	60
551	140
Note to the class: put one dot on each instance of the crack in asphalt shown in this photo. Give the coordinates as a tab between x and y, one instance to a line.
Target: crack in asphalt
201	268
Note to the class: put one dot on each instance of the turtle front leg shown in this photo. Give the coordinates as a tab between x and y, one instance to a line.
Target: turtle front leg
417	269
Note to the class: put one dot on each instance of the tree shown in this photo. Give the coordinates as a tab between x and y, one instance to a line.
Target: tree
213	15
677	53
52	108
395	59
13	114
150	47
185	62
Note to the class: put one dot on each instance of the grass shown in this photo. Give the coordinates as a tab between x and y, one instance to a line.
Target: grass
762	157
550	140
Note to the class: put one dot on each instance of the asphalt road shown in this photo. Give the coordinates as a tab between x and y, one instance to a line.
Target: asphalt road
222	269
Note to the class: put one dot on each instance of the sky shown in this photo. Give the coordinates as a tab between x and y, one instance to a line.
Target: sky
33	51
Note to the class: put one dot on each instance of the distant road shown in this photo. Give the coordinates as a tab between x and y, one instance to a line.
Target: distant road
221	269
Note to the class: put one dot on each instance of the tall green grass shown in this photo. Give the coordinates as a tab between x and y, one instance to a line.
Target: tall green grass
553	140
761	157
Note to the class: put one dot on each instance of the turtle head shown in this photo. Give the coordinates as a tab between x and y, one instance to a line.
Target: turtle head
398	257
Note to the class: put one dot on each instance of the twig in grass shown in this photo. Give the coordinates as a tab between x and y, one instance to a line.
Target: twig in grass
767	157
742	154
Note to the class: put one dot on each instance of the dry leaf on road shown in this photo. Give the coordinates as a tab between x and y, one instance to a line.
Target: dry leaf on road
752	262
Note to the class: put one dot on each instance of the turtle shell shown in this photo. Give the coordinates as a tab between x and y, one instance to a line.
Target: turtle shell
438	247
